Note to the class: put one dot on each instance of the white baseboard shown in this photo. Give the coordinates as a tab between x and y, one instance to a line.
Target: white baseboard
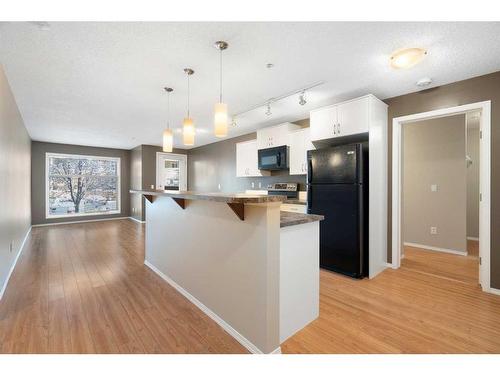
4	287
433	248
136	220
473	238
80	221
493	291
238	336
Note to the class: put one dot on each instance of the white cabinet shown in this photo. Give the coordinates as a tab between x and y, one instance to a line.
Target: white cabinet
343	119
300	143
247	161
275	136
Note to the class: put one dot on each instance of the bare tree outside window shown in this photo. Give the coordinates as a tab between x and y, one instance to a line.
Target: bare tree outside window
79	185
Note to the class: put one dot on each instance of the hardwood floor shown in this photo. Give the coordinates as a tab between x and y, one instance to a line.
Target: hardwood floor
432	304
83	288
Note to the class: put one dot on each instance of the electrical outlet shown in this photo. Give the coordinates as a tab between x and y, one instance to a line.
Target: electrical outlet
434	188
218	186
253	185
152	187
260	185
434	230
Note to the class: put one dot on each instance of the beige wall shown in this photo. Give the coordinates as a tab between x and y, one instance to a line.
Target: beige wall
15	204
434	154
473	183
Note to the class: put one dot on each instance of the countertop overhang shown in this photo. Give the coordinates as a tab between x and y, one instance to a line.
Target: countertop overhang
241	198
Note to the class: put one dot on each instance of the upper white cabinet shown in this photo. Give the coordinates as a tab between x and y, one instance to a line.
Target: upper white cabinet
247	160
339	120
300	143
275	136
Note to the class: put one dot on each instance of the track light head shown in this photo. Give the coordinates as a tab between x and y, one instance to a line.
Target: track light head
302	98
268	111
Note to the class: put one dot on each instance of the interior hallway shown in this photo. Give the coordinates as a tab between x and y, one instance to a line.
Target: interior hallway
83	288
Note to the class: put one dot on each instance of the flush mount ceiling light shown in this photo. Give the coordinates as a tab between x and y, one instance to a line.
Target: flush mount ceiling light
168	136
424	82
220	109
188	124
406	58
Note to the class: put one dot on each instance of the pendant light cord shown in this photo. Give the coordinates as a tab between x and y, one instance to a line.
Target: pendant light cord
220	75
168	110
188	99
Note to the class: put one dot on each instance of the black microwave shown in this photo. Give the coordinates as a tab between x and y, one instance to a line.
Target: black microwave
273	159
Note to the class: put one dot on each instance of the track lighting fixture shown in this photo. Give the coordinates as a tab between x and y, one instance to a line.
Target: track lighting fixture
302	98
268	111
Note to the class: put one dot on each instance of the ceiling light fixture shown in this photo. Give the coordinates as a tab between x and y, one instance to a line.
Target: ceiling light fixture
302	98
188	124
168	136
220	109
406	58
268	111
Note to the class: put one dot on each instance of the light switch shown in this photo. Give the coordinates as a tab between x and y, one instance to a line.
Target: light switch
434	188
218	186
260	185
253	185
152	187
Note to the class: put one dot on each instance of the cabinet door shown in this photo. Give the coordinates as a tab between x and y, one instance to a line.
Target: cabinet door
297	152
264	138
323	123
354	117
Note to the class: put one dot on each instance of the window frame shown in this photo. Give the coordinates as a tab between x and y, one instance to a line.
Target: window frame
49	155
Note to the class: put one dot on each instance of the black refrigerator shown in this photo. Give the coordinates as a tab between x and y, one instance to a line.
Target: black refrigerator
337	187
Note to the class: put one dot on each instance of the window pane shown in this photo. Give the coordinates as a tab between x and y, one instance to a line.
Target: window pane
79	186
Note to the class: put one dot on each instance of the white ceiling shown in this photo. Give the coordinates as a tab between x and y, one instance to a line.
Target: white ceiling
100	84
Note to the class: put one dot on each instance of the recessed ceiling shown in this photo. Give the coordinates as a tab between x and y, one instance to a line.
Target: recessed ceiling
101	84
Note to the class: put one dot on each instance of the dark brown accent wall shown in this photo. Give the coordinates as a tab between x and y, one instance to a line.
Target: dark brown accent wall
472	90
38	185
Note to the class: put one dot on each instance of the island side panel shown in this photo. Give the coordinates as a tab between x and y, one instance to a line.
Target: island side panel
299	277
230	266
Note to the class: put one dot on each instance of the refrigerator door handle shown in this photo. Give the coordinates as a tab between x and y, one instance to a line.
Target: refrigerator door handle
309	170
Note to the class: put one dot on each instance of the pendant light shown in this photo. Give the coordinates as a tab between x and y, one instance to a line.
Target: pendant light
188	124
168	136
220	108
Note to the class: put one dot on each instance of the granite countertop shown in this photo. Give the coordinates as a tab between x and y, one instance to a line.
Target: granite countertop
214	197
295	201
288	219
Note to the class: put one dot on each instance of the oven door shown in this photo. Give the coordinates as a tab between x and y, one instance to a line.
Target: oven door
272	159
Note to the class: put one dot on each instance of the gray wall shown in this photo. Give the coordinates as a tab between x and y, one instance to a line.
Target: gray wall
434	154
214	164
38	151
473	183
15	207
473	90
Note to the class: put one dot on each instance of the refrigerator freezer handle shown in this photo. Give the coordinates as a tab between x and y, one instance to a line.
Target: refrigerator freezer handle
309	170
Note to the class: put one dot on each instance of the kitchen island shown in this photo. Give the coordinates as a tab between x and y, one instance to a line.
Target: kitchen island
250	267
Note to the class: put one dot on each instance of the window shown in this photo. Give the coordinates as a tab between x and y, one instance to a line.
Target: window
82	185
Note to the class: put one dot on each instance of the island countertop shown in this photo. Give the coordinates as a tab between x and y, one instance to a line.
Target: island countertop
214	197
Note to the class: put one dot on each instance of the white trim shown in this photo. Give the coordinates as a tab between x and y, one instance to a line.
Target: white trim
80	221
136	220
238	336
473	238
4	287
118	211
493	291
182	159
484	184
434	248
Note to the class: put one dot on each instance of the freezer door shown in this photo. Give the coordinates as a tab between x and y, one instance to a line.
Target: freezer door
341	232
335	165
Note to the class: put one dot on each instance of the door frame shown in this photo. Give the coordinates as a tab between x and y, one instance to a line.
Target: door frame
484	182
180	158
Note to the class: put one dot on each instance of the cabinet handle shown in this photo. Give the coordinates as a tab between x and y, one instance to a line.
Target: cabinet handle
338	128
334	128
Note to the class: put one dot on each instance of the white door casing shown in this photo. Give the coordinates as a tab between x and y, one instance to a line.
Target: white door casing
161	157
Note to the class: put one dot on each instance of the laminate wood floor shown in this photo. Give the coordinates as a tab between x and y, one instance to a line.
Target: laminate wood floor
83	288
432	304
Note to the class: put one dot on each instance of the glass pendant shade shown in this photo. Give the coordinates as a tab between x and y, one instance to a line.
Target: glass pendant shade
168	140
188	131
220	120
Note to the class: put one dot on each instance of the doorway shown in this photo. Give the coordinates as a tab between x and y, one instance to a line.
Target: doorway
484	108
171	171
